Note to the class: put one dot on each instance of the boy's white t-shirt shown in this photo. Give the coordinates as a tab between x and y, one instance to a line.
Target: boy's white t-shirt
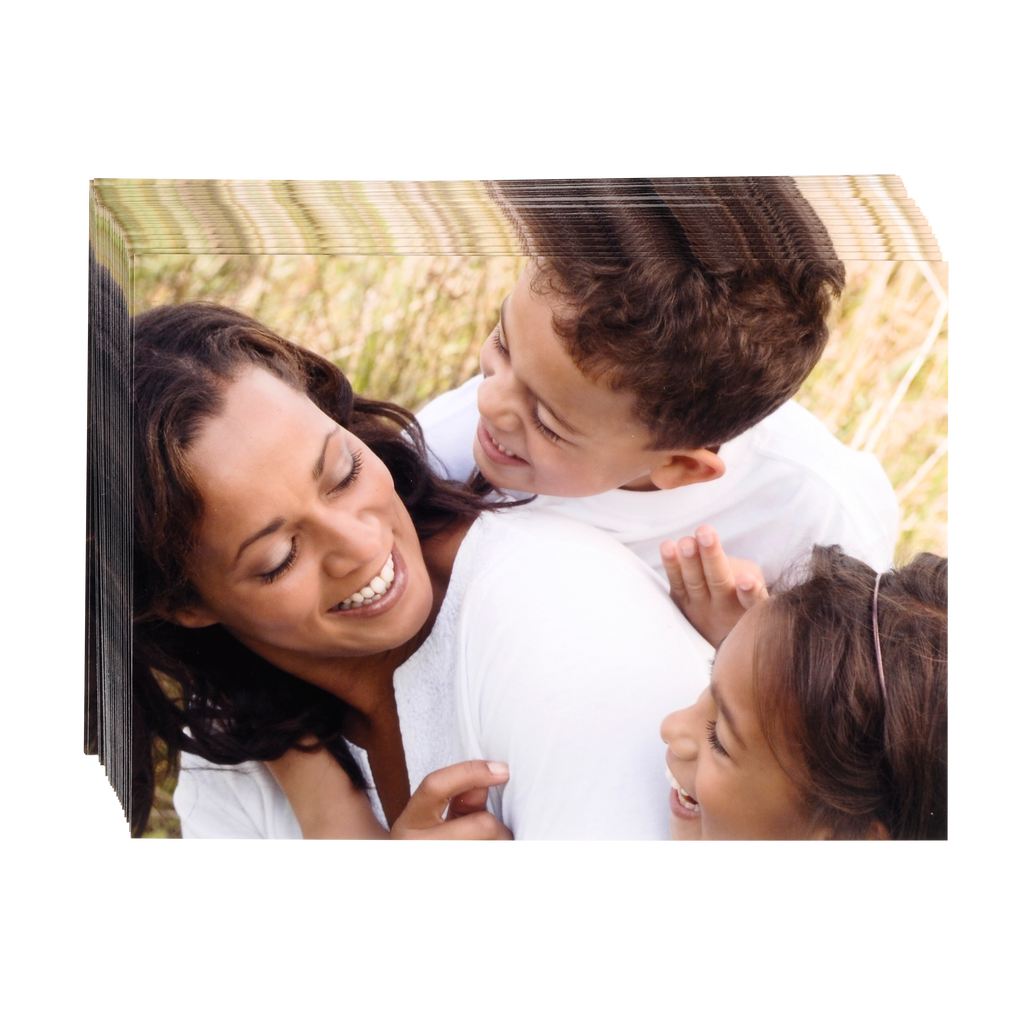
788	485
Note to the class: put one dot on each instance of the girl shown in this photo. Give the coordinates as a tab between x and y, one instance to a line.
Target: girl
826	713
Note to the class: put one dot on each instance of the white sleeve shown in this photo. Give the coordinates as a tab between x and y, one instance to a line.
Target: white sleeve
231	802
449	426
573	656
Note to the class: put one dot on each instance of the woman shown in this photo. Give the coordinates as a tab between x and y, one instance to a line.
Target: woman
300	574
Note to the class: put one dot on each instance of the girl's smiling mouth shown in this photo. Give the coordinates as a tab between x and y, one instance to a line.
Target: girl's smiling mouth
680	802
379	594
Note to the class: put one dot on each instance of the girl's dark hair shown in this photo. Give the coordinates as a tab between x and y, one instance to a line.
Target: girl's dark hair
856	754
200	690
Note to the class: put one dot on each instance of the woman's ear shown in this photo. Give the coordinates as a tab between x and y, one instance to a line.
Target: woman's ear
876	830
693	466
193	618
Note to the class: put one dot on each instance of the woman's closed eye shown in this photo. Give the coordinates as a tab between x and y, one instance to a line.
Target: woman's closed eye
350	477
280	570
293	552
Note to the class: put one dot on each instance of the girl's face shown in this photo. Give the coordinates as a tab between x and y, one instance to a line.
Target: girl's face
304	546
726	783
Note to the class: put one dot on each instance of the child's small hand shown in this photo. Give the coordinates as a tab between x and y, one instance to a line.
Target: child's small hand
461	790
709	588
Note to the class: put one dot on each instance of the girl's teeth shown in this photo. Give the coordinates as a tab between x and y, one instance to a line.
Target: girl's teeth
684	797
376	588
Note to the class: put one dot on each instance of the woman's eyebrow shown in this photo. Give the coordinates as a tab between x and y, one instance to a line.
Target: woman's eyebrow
554	414
271	527
727	715
318	468
276	524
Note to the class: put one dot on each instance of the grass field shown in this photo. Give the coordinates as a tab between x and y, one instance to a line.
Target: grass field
407	329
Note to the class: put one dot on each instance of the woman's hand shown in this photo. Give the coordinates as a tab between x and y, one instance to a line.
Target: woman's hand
709	588
461	790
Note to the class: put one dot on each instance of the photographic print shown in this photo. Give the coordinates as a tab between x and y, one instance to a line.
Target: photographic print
406	497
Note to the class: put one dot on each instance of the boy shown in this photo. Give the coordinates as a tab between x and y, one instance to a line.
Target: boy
652	345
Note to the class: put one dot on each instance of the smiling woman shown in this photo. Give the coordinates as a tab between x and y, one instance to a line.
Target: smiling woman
300	521
230	483
304	581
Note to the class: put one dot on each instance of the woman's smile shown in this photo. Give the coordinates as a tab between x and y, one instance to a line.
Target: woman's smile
379	595
304	546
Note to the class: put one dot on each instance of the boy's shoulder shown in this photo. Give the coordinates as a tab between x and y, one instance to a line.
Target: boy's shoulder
449	425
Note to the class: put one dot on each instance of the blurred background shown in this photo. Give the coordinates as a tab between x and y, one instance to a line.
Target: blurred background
408	328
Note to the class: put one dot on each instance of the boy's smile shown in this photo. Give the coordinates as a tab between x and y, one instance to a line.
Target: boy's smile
547	428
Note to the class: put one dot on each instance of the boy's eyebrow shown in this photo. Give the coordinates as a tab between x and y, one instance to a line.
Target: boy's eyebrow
504	333
727	715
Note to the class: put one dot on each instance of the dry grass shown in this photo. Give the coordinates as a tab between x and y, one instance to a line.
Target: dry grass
409	328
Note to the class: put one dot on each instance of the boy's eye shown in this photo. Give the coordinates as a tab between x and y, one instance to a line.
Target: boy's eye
499	344
545	430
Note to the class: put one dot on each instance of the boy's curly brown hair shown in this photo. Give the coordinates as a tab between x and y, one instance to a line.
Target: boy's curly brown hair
706	299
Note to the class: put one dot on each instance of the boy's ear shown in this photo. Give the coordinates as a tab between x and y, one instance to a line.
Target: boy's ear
193	618
693	466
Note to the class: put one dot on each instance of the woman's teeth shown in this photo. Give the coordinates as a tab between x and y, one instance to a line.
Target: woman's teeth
375	589
684	798
501	448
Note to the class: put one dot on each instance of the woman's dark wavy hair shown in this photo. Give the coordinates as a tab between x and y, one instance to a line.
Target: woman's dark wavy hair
200	690
858	755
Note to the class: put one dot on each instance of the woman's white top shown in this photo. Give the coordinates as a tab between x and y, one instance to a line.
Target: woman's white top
557	652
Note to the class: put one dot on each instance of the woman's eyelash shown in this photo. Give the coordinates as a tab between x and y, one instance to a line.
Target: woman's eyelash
713	739
269	577
352	474
279	571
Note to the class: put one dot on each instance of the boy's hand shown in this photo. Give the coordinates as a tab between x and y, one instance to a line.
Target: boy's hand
709	588
325	802
461	790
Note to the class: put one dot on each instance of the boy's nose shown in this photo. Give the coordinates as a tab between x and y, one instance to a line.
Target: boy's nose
494	401
677	732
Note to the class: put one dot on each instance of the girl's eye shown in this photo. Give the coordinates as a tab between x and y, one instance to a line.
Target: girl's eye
545	431
269	577
714	741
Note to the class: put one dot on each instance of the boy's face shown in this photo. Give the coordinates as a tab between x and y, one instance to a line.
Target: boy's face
559	432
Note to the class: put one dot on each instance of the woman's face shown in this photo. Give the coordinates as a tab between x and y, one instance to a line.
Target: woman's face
726	783
300	518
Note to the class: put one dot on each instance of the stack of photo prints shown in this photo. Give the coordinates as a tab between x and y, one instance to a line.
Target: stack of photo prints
399	282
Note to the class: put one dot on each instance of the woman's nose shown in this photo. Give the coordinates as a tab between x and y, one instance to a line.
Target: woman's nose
678	732
351	542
